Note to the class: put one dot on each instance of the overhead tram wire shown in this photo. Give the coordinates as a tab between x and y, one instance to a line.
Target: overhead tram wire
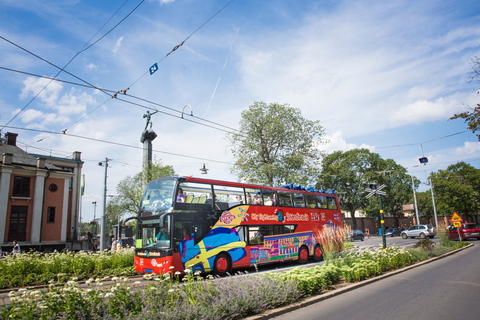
126	101
420	143
183	42
117	144
81	50
104	91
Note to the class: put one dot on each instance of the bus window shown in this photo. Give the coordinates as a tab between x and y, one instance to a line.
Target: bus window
298	200
256	234
311	200
321	202
282	229
332	203
255	196
285	199
241	232
227	197
155	237
196	195
269	197
158	197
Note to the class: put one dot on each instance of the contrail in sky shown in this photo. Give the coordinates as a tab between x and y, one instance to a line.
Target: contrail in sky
224	65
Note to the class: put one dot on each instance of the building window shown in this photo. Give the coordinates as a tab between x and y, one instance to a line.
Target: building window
51	215
53	187
18	223
21	187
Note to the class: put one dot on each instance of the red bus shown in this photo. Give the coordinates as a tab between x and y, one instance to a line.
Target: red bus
216	226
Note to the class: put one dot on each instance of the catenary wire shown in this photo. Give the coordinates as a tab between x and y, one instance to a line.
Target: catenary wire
63	69
117	144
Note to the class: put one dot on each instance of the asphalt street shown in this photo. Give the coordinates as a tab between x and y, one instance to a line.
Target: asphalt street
447	288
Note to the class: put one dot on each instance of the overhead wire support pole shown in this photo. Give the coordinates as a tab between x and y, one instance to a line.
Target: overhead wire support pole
415	200
433	202
102	226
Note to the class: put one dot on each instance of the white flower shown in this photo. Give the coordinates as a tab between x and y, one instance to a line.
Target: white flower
187	271
109	294
137	282
178	273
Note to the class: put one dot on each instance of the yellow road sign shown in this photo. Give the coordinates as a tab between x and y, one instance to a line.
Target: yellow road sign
457	224
456	217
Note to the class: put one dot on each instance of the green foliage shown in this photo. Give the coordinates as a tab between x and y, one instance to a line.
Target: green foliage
472	116
349	173
160	298
456	188
39	268
310	280
276	145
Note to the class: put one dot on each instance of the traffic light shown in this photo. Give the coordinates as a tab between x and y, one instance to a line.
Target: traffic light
423	160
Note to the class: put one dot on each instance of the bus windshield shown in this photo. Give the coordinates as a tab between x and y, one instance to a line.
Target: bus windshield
158	197
155	237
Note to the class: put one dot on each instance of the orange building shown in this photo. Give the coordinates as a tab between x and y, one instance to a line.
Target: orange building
39	198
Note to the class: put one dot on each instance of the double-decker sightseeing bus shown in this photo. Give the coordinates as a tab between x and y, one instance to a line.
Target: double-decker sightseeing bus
216	226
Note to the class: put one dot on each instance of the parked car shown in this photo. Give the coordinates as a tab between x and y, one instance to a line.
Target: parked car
467	230
419	230
391	232
357	235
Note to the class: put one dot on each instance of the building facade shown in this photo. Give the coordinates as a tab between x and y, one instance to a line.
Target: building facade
39	198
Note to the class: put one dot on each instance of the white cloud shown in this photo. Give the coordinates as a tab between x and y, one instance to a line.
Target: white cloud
91	66
31	115
468	148
49	95
118	45
338	143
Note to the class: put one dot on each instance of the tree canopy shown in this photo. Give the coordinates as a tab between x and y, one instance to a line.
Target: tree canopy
472	115
276	145
349	173
457	188
130	190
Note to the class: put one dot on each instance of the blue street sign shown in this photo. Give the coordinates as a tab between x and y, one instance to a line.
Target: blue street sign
153	68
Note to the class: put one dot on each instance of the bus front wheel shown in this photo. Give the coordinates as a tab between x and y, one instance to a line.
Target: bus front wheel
317	253
222	265
303	255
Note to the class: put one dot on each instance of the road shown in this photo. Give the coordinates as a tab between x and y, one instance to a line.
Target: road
447	288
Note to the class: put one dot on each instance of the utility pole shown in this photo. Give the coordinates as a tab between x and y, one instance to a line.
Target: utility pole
415	200
433	202
102	226
94	217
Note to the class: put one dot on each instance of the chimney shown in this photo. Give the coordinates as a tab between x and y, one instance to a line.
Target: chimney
11	138
41	163
76	155
7	159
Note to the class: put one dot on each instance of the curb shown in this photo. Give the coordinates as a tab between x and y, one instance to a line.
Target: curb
323	296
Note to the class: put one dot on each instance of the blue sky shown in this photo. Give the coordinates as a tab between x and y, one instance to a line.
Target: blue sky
377	74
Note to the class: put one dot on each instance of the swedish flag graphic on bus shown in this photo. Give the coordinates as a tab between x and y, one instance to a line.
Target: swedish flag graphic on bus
201	257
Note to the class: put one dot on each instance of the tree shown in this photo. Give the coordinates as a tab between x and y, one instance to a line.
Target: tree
349	173
472	116
276	145
398	187
130	189
457	188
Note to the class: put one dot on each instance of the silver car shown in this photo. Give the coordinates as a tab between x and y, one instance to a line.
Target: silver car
419	230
